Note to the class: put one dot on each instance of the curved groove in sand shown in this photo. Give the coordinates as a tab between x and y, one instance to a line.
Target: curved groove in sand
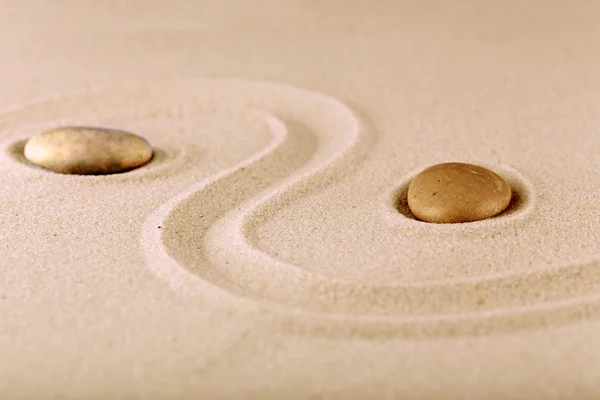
205	247
283	160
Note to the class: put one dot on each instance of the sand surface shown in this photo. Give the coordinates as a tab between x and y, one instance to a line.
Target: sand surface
266	251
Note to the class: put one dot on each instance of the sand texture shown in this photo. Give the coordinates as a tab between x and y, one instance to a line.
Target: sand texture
267	250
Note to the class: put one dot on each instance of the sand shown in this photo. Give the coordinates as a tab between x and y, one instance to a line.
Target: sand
267	250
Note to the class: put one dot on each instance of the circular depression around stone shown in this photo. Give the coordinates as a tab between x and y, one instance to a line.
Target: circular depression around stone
457	192
87	150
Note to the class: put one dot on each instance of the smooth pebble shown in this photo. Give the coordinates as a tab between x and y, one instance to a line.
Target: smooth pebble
457	192
87	150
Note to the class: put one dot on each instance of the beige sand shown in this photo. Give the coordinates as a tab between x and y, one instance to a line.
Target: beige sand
266	251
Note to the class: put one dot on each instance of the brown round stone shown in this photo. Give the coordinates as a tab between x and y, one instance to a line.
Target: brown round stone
457	192
87	150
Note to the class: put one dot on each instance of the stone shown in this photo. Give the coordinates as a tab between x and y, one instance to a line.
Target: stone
87	150
457	192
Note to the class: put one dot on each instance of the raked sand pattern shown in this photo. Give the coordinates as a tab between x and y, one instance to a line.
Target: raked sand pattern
267	250
205	241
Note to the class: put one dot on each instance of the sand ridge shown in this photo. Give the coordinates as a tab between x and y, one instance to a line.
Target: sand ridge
316	140
205	242
267	251
213	241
